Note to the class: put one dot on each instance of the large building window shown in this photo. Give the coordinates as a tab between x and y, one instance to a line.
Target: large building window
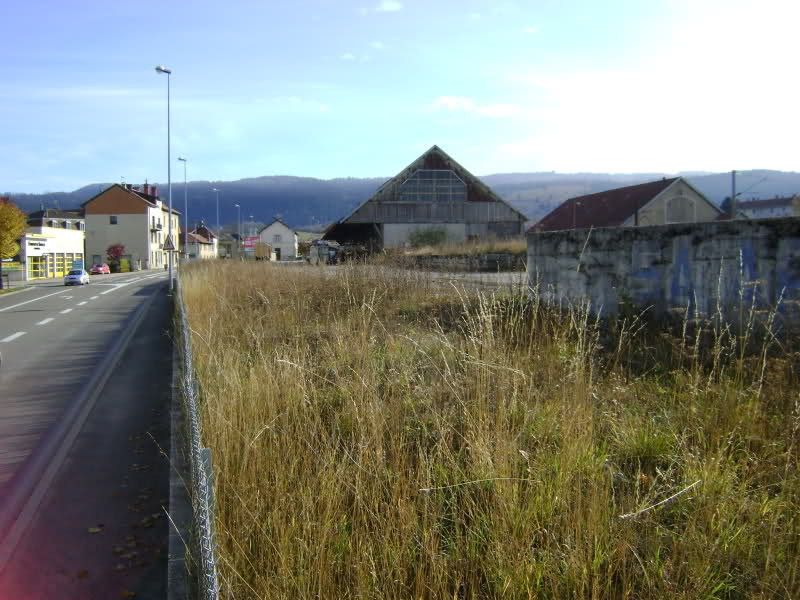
433	185
112	219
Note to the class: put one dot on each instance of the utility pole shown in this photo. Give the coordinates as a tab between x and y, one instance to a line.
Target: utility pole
733	194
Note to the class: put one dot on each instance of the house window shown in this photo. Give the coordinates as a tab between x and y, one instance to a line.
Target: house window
112	219
277	238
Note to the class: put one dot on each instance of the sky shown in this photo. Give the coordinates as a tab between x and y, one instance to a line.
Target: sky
340	88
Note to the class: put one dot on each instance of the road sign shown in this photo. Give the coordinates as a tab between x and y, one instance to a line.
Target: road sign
168	245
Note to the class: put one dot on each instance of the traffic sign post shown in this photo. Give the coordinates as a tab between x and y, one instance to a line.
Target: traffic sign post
169	246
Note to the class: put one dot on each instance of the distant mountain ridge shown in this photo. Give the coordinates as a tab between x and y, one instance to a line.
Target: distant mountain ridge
309	202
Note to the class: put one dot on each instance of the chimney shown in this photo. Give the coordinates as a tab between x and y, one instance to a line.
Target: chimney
146	189
154	191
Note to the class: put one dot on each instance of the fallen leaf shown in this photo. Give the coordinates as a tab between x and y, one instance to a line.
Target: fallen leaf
95	529
119	567
127	594
83	574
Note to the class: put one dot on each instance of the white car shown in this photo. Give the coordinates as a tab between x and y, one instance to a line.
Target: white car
76	277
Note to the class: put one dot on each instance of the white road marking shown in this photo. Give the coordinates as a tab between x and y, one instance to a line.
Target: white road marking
13	336
28	301
82	303
68	297
65	311
94	298
46	321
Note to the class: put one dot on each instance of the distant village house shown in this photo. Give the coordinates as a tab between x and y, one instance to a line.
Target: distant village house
660	202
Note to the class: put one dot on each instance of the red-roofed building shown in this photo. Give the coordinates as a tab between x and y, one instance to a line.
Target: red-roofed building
134	217
200	243
672	200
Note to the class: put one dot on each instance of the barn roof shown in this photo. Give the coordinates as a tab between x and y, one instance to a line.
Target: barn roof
433	158
603	209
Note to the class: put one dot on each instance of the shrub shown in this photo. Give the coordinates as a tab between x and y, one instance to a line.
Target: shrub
432	236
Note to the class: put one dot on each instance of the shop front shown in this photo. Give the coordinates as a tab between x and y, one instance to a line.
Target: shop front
50	255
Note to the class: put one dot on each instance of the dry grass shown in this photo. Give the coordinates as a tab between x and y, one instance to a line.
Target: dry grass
376	437
517	246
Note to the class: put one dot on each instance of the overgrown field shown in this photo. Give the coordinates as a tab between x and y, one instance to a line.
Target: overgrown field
381	436
518	246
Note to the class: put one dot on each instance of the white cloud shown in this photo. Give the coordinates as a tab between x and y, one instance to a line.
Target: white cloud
468	105
454	103
498	110
347	56
474	16
377	45
532	29
389	6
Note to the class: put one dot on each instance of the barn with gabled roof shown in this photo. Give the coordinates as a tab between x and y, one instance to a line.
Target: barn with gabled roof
433	193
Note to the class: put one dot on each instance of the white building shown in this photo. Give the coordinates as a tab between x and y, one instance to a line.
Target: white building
200	243
52	244
764	209
133	217
282	238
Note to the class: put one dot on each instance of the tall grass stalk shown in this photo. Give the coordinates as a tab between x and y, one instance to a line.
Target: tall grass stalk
378	435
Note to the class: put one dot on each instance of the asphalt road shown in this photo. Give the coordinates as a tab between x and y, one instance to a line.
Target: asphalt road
95	526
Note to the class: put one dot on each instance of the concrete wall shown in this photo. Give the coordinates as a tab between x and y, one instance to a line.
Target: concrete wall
697	265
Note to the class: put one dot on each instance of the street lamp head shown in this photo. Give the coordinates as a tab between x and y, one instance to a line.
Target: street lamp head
182	159
236	205
161	69
214	190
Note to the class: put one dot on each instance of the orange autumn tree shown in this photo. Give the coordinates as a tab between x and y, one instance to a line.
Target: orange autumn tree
12	226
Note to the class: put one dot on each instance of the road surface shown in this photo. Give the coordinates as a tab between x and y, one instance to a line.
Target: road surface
84	394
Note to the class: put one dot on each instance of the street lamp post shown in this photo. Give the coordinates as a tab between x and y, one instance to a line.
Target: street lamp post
239	224
217	192
185	210
168	72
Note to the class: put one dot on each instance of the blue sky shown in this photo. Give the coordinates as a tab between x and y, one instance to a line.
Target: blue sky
336	88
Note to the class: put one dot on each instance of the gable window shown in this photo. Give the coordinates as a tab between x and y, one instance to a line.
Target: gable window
112	219
433	185
277	238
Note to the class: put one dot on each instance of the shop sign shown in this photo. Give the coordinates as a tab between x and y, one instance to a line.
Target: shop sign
36	247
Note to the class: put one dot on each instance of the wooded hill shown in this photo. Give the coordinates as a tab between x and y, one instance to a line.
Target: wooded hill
306	202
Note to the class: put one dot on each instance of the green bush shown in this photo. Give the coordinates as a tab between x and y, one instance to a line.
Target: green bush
433	236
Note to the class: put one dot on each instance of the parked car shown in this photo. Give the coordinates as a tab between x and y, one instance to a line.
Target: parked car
76	277
103	269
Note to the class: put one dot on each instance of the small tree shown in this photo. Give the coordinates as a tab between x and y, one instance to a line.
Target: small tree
114	254
12	226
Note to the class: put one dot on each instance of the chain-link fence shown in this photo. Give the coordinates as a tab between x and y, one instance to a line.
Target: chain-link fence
201	551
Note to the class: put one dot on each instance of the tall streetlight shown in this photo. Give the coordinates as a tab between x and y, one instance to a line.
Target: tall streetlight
185	209
168	72
217	192
239	222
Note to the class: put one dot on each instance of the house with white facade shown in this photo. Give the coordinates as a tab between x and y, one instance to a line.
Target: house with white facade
200	243
282	238
765	209
134	217
52	244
